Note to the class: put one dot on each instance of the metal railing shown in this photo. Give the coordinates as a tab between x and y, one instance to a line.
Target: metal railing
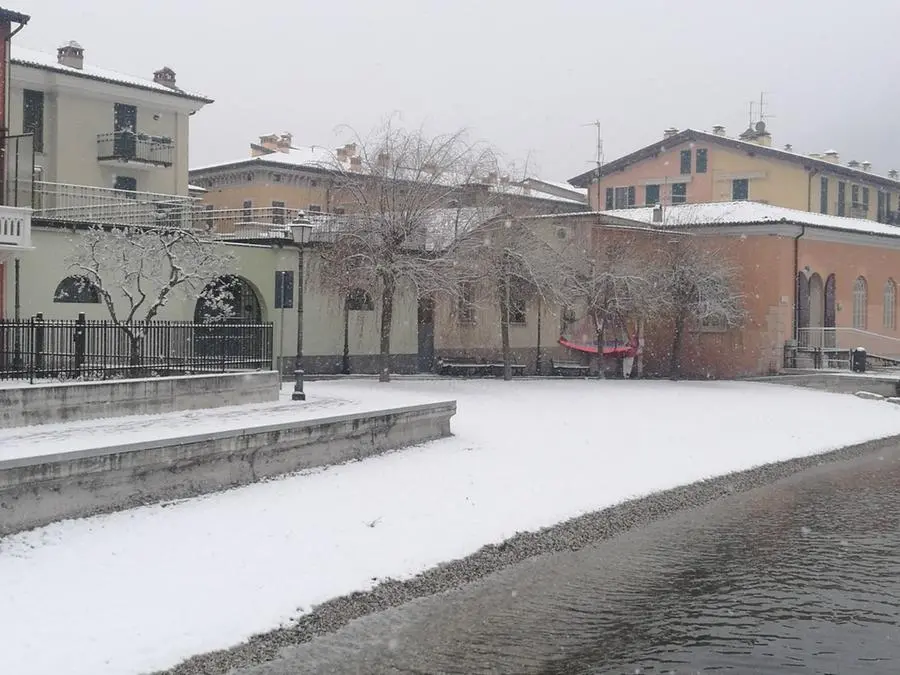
39	348
844	339
128	146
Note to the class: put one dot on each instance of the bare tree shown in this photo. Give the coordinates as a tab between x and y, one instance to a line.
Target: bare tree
135	271
512	257
698	284
614	283
392	194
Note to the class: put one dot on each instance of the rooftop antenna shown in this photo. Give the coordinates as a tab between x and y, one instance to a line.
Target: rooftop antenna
599	158
750	120
763	105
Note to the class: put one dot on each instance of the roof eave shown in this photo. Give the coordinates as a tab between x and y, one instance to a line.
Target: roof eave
13	16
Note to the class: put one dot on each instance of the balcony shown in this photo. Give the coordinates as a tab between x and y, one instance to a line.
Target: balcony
15	228
137	150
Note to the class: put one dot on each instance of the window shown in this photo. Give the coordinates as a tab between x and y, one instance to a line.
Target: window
518	305
865	200
882	210
315	208
679	193
860	300
466	309
76	289
278	213
624	197
125	183
685	161
702	160
823	195
609	198
246	209
33	117
284	289
854	195
359	300
890	305
740	189
651	195
842	198
713	323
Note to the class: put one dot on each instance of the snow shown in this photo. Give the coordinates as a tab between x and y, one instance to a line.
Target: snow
29	57
143	589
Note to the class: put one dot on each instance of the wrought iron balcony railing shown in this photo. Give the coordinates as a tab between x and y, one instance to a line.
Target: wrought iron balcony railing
128	146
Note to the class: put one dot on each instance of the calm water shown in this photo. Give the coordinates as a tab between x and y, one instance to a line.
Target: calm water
799	577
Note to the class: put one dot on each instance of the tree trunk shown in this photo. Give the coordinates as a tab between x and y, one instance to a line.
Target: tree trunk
345	361
677	339
504	330
134	357
601	340
387	315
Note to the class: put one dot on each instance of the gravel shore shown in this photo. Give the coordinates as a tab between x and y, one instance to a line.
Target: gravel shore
569	535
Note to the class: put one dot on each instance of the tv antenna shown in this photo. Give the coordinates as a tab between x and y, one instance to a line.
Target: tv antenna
763	107
599	158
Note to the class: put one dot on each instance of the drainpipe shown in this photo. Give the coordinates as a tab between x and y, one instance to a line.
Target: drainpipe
797	282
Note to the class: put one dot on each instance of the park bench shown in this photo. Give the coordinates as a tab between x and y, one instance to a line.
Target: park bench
464	367
569	368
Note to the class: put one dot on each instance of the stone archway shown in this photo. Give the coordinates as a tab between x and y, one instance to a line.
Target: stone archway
816	302
229	337
830	318
802	311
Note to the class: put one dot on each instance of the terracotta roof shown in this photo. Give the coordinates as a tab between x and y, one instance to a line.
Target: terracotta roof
688	135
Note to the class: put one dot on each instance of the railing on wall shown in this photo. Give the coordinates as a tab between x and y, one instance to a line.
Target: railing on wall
128	146
40	349
849	338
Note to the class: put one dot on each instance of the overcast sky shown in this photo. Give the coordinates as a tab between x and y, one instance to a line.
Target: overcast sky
524	75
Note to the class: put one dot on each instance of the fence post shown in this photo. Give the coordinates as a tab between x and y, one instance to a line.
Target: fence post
39	332
80	338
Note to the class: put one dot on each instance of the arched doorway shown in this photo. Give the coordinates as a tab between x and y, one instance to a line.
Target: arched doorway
830	311
228	299
802	318
230	337
816	309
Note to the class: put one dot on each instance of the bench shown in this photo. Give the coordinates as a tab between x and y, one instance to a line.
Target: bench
569	368
517	369
464	367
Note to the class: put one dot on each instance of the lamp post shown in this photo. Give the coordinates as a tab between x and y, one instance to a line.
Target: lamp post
300	229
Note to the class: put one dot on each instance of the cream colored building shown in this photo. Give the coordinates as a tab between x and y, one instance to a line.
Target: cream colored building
97	127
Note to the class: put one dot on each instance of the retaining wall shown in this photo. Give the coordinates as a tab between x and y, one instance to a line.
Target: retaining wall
39	490
840	383
65	402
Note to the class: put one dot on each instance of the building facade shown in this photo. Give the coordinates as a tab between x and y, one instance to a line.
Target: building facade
690	167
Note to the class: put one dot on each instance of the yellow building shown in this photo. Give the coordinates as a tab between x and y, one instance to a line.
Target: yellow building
693	166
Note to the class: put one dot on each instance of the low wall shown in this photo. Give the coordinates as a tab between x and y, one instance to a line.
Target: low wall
66	402
35	491
840	383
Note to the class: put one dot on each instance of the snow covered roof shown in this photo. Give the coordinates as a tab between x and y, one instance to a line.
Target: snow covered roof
749	213
558	184
517	190
585	179
35	59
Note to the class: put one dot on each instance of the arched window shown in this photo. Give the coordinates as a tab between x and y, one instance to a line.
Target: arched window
890	304
76	289
860	303
229	299
358	300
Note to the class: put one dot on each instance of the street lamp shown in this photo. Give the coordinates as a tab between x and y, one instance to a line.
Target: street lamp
300	230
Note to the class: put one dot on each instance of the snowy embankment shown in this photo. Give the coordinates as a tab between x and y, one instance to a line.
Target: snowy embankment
144	589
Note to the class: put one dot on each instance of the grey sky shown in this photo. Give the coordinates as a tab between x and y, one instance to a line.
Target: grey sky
524	75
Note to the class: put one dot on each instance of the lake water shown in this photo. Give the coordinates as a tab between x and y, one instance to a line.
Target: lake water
799	577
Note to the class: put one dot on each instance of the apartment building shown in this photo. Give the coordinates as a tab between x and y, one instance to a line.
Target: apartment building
691	166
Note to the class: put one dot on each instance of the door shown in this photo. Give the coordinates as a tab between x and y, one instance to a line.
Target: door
125	128
426	335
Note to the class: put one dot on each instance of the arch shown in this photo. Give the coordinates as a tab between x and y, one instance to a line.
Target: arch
802	318
76	289
816	302
830	310
860	303
230	299
889	312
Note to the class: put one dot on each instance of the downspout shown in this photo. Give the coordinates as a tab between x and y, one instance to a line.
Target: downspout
812	172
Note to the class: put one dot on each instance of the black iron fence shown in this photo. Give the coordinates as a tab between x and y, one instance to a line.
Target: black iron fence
39	348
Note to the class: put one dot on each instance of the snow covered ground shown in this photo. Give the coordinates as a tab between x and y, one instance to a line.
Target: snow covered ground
143	589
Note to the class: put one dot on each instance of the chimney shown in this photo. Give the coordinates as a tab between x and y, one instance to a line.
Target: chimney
892	174
671	131
866	166
165	76
762	136
284	141
719	130
832	156
341	154
71	54
853	164
269	141
350	149
355	162
788	147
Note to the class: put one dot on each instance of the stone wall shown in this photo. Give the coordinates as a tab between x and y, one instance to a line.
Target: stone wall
35	491
66	402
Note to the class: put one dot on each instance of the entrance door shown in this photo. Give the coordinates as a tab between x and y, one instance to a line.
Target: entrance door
125	128
426	335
